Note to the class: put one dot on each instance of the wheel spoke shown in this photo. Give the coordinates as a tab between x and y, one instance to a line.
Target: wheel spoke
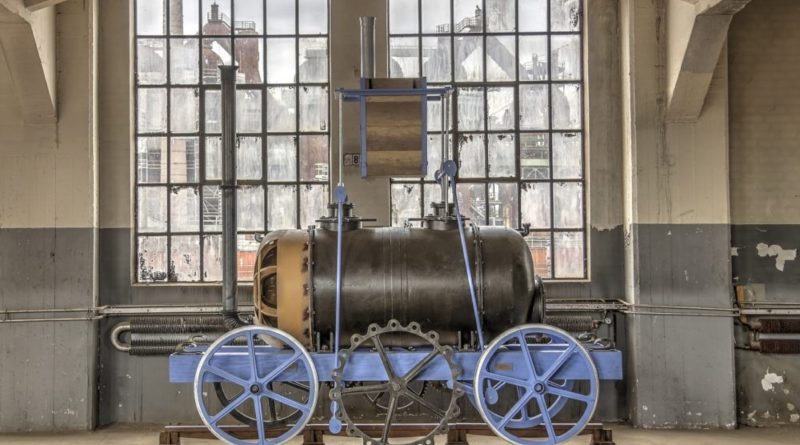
262	436
569	394
368	389
231	406
285	400
251	351
514	410
548	421
506	379
227	376
523	346
419	367
384	358
277	371
389	416
431	407
562	359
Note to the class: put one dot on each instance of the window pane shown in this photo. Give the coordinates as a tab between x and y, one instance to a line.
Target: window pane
436	59
214	158
281	158
503	207
184	110
314	158
313	59
281	109
185	159
248	158
282	207
567	159
565	15
185	258
212	208
472	163
541	251
533	15
566	57
405	203
280	16
151	209
151	160
469	59
250	208
184	61
250	58
534	156
470	109
502	159
434	155
184	17
150	17
433	193
567	107
534	110
404	54
533	58
403	16
313	201
248	111
213	111
535	199
500	16
216	52
501	108
313	108
246	257
313	16
501	58
568	205
216	17
151	67
569	255
151	258
472	201
184	209
468	16
249	17
212	258
280	60
435	16
152	113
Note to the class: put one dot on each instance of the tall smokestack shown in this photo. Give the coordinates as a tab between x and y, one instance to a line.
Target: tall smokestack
367	47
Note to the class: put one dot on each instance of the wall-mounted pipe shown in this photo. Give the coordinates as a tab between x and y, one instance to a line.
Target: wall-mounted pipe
367	47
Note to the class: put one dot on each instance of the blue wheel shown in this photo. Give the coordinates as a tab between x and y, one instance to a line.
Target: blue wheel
532	397
249	361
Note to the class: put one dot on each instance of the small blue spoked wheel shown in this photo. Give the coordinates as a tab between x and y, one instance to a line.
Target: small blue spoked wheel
253	362
527	375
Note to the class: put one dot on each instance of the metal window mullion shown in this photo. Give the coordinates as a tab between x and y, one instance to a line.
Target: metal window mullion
297	116
550	142
168	57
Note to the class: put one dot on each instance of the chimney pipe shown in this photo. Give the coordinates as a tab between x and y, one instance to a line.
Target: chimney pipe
367	47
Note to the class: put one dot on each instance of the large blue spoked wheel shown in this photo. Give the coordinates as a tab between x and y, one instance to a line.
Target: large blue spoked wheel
250	362
557	372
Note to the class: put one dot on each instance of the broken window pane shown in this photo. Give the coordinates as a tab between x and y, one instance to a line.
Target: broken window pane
567	156
151	56
313	108
469	58
503	205
184	17
534	108
472	202
313	201
281	109
247	247
567	103
212	258
313	59
184	209
249	17
467	16
150	17
250	208
500	101
502	159
535	199
404	57
151	209
565	15
405	203
214	158
248	158
314	158
565	54
472	163
534	156
403	17
501	58
185	159
216	52
184	113
151	115
280	17
470	109
313	16
280	60
568	205
250	58
435	16
282	213
569	255
248	111
151	160
540	245
533	58
500	16
212	208
213	111
436	59
533	15
281	158
151	258
216	17
184	61
185	258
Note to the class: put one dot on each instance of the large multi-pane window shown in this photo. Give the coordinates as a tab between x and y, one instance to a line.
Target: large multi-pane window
516	66
282	124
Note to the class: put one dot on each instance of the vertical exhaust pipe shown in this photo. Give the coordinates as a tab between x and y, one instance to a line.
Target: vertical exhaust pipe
367	47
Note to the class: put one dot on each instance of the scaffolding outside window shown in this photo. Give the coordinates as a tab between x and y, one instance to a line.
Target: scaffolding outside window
516	66
282	124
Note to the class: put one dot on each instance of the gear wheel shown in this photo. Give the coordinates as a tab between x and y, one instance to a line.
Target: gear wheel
397	386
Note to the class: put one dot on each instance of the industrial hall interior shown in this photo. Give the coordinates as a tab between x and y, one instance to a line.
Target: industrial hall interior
399	222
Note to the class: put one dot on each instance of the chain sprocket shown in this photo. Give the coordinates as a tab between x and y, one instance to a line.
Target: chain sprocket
396	387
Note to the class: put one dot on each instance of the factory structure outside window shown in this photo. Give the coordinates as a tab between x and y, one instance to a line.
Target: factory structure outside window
517	66
282	123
